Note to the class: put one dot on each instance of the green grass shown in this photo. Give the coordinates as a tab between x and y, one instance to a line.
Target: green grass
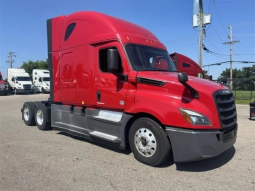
244	97
244	102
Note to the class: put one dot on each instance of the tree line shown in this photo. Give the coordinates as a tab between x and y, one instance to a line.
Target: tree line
243	79
38	64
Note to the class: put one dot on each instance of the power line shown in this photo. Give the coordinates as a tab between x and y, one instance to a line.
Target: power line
245	34
240	55
244	23
244	46
217	33
213	44
219	16
214	39
241	62
10	61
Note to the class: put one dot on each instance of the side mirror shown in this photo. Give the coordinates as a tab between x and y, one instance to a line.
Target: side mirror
182	77
40	79
112	60
12	79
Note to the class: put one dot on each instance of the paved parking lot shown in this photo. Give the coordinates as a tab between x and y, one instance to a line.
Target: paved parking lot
49	160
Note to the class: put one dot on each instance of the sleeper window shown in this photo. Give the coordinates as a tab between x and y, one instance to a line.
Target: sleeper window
185	65
69	30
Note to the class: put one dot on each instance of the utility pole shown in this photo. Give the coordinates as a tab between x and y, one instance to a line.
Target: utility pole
10	55
201	24
231	42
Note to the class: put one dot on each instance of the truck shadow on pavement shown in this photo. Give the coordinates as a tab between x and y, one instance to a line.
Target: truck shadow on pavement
207	164
102	143
197	166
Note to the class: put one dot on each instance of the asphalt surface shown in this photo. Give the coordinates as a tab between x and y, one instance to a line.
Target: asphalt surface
31	159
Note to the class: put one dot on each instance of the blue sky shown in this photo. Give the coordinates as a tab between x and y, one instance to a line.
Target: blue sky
23	26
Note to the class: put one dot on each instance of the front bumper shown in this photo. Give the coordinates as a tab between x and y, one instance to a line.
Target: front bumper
47	90
3	92
24	91
194	145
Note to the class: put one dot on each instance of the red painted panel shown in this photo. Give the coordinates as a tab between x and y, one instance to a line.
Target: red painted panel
68	83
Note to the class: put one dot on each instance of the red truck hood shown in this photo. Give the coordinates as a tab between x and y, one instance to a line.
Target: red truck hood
201	85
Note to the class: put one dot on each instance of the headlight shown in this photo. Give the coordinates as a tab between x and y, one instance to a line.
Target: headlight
194	117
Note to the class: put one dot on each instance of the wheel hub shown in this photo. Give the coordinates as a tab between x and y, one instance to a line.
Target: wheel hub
39	117
26	113
145	142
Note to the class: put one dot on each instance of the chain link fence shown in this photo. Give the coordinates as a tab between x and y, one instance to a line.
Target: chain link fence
244	88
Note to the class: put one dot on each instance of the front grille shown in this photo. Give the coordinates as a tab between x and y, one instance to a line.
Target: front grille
225	104
27	87
2	86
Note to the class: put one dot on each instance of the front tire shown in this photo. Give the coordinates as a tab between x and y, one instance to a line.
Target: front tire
148	142
41	118
28	111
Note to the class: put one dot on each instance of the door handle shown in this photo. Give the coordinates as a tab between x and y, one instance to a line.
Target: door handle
98	96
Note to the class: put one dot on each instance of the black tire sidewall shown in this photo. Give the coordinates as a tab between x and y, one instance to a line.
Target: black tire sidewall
163	146
30	120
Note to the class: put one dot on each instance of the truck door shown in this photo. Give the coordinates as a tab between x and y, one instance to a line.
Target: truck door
110	90
67	79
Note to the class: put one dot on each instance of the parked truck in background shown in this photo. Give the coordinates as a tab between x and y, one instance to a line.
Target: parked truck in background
20	81
187	65
106	87
41	80
182	64
3	86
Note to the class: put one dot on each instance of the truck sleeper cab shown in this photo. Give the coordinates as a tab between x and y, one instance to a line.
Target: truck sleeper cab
106	86
41	80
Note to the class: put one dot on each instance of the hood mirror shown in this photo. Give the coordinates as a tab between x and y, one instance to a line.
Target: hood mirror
182	77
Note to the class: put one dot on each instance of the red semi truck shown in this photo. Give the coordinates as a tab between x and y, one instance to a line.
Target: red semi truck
107	87
3	86
187	65
182	64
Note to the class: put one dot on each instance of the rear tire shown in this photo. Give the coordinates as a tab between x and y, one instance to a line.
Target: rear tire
28	112
148	142
41	118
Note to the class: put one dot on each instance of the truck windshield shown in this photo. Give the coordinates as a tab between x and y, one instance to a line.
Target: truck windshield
23	79
46	79
144	58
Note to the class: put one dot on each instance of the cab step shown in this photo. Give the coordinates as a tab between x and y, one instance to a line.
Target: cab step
105	136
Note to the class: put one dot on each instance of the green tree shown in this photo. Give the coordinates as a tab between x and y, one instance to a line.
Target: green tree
243	79
30	65
206	74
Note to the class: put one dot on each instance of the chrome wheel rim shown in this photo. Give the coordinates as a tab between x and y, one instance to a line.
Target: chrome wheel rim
26	113
39	117
145	142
